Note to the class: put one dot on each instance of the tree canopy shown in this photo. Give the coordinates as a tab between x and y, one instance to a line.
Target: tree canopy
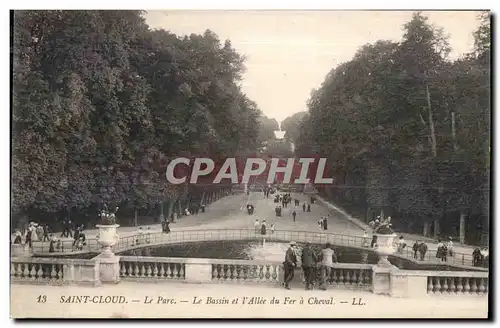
406	129
101	102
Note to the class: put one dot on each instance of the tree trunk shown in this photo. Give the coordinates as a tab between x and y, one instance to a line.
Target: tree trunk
436	228
462	228
431	122
135	216
426	229
453	131
162	217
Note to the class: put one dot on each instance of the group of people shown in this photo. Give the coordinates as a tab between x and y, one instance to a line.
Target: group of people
323	223
310	263
284	199
37	232
261	228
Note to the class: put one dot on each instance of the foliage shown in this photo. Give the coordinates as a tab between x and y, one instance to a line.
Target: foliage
101	103
405	129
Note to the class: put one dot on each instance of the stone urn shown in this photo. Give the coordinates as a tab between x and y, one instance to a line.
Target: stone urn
385	247
107	238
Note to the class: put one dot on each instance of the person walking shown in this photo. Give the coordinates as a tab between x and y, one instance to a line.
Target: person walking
422	249
289	264
328	257
304	207
263	228
46	232
449	246
53	241
308	207
294	214
309	260
29	235
325	223
415	249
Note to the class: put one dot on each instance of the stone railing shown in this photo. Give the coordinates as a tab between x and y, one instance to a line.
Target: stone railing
152	268
54	271
157	269
409	283
377	279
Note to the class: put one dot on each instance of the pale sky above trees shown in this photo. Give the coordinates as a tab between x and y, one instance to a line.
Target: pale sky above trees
290	52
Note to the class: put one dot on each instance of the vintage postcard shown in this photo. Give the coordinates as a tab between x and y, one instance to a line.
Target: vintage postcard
250	164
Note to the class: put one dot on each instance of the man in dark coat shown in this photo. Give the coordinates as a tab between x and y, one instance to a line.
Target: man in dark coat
289	264
309	260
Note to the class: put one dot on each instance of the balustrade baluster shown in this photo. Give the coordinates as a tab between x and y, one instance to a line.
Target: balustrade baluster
261	272
361	278
39	273
454	286
155	270
226	271
473	287
480	286
59	268
238	272
466	286
26	272
13	269
334	278
347	279
231	272
486	287
162	270
122	269
32	272
136	269
53	273
437	286
341	277
274	275
168	273
214	271
445	286
245	272
181	271
430	285
149	271
460	285
268	272
128	269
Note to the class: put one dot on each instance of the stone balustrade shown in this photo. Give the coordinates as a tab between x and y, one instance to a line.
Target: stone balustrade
409	283
54	271
343	275
379	280
154	268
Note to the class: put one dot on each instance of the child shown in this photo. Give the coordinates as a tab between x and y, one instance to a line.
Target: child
272	228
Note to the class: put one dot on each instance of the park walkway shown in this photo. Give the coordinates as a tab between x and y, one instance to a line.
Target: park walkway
230	213
24	303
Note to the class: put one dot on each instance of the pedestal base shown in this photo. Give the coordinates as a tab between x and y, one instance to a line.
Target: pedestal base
109	268
20	250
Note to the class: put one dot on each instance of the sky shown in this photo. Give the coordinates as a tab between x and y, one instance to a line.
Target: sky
290	52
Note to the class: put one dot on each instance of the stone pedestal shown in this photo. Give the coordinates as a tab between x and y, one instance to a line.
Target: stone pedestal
20	250
82	272
408	284
109	268
199	272
109	263
381	280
